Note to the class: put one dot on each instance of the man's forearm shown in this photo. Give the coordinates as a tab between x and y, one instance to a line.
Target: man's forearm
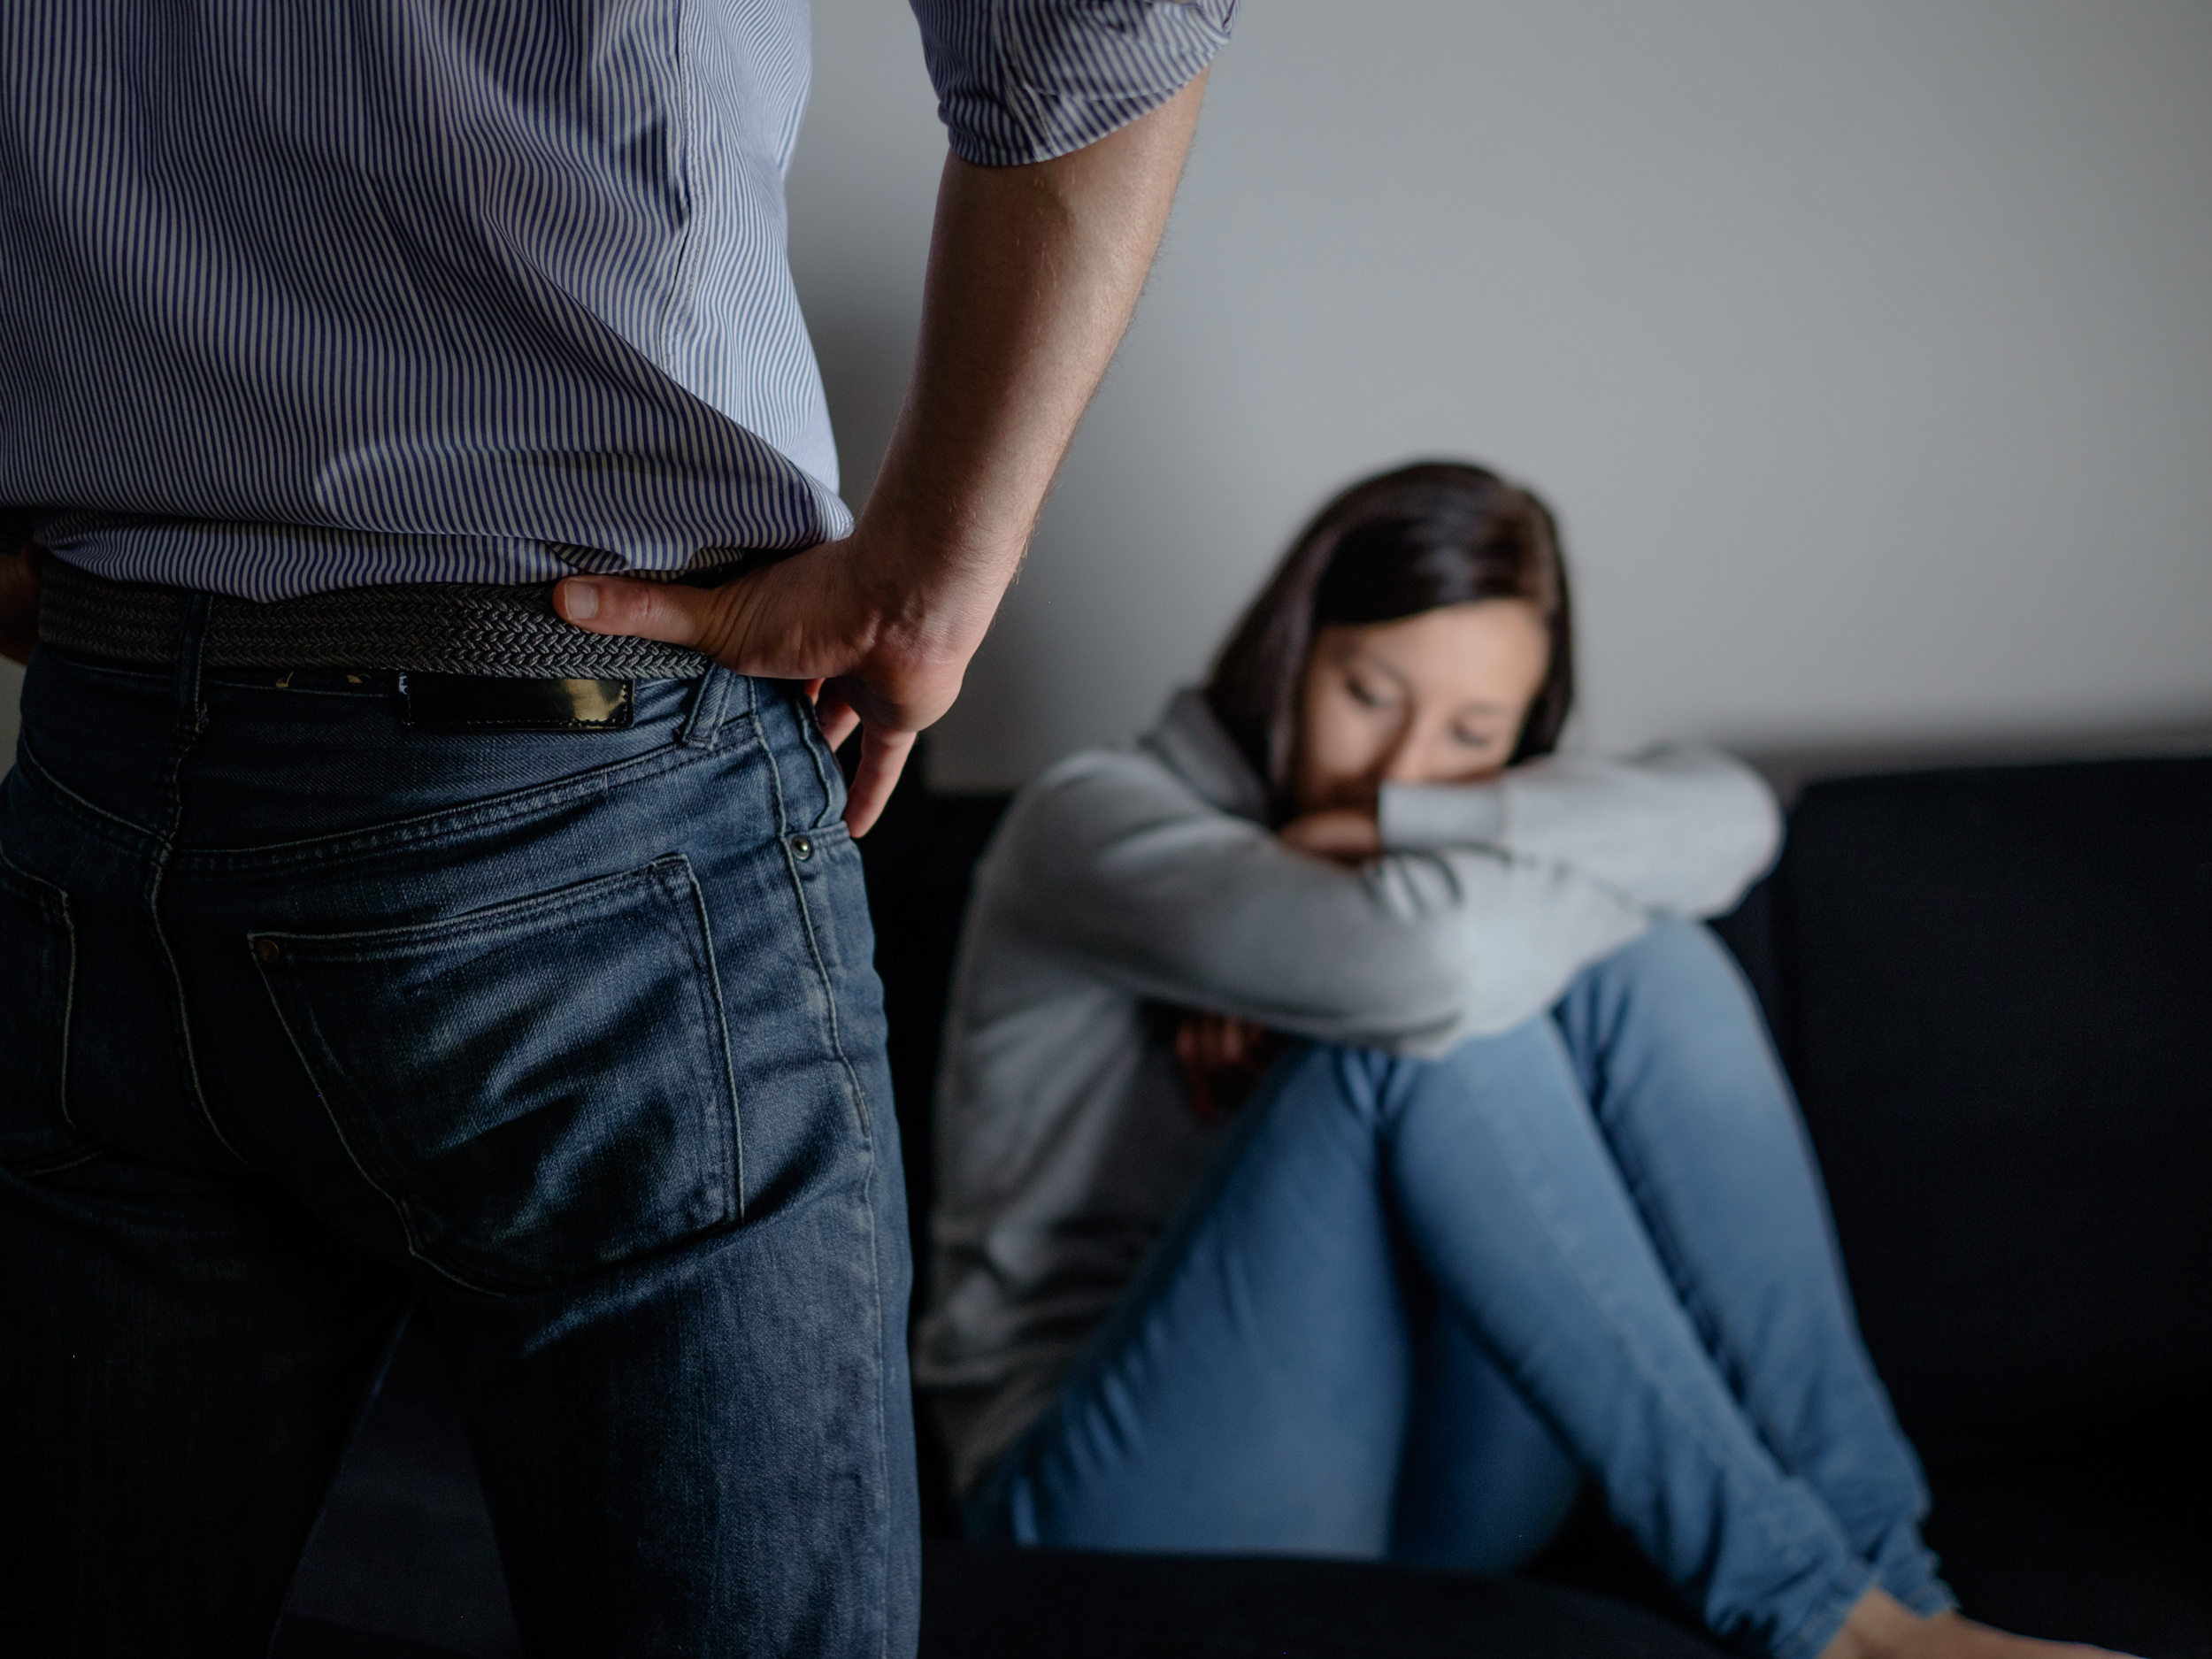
1034	272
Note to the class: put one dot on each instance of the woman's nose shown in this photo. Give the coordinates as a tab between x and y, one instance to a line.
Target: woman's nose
1404	762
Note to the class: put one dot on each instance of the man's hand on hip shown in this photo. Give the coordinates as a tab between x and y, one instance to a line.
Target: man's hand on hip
1034	272
830	616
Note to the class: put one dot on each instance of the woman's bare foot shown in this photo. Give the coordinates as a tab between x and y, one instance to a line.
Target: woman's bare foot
1882	1627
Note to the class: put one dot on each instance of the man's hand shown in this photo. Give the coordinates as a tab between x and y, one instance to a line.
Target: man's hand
1033	274
19	603
1344	834
809	618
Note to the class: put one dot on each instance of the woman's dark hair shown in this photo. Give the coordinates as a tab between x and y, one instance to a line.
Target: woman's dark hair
1437	532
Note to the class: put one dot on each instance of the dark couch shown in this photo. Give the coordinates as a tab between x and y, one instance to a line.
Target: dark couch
1994	987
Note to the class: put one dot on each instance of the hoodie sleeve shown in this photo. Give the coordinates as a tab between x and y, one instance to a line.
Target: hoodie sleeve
1113	859
1677	832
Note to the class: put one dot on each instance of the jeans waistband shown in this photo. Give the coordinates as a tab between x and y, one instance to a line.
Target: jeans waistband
480	629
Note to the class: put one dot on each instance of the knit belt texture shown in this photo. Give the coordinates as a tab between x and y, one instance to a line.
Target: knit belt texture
509	633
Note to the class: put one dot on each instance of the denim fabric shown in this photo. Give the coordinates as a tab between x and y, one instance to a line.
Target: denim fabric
1414	1302
575	1037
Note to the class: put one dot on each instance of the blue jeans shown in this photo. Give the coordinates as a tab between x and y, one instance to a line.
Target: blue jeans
306	1015
1413	1302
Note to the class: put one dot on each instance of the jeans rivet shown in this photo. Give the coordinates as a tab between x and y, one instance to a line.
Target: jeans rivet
267	949
802	847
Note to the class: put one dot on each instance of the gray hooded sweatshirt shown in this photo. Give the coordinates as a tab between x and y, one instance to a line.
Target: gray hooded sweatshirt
1126	879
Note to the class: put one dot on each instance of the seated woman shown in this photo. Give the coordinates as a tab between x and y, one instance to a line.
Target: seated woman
1350	1140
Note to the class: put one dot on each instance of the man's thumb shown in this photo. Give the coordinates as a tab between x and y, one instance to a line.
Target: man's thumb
651	610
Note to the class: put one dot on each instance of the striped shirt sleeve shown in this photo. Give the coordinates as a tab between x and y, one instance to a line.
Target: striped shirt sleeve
1025	80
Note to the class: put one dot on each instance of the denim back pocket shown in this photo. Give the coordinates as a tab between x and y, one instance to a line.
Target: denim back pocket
540	1087
38	963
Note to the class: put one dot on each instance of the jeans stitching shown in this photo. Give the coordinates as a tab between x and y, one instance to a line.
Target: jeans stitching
494	813
191	723
400	1206
58	911
1660	1388
711	976
1743	1376
38	1169
819	751
399	1209
867	1151
157	869
469	924
881	1486
1645	1195
855	1092
97	821
702	725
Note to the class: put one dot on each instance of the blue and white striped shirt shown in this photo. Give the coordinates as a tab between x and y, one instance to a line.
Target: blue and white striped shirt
298	298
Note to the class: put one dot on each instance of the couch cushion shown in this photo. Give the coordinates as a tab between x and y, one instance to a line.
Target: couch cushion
983	1602
2103	1541
1995	990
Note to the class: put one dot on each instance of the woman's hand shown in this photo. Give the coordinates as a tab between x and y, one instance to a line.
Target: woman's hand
1343	835
1222	1058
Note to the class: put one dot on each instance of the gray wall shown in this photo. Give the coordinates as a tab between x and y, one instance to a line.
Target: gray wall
1865	350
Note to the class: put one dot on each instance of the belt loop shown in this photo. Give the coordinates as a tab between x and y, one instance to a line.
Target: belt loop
710	706
191	650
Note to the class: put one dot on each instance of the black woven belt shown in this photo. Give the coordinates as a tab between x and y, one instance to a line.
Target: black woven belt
478	629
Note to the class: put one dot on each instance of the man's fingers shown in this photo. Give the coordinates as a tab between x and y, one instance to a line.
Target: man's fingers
837	719
882	757
834	713
651	610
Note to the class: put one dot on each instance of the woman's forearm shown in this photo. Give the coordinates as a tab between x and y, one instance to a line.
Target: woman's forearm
1110	861
1680	830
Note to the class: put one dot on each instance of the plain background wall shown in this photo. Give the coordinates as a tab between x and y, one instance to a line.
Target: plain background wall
1864	350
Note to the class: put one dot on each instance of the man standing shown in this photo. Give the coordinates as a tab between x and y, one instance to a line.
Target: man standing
381	922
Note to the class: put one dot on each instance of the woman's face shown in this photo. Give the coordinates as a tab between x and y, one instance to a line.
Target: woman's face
1435	698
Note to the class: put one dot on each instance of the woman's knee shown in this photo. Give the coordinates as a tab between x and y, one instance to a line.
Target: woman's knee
1345	1082
1676	975
1374	1085
1672	1023
1674	948
1528	1058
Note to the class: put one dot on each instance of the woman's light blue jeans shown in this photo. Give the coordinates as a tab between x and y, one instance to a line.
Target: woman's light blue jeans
1415	1301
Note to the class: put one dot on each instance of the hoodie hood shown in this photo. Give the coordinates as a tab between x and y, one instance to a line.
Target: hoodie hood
1190	743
